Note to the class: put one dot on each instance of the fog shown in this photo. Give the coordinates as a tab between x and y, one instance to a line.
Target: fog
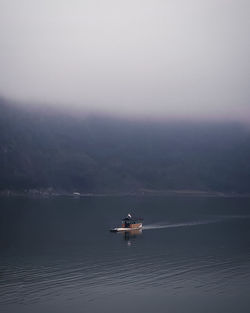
153	58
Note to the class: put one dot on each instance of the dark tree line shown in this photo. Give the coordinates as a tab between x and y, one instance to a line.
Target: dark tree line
100	154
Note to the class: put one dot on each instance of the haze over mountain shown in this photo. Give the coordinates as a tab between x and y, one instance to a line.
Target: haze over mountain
175	58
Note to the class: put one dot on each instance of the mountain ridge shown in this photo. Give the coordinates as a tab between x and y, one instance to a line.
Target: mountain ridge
96	154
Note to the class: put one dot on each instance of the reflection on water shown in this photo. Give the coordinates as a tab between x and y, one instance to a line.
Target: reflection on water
53	260
130	236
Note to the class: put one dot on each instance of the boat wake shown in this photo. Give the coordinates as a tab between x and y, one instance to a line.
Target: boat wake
169	225
194	223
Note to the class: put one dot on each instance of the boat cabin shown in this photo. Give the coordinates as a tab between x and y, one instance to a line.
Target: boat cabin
129	222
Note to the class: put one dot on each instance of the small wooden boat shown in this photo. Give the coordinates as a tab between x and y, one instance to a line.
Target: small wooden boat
129	224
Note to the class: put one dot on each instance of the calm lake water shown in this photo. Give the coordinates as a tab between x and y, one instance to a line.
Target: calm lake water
57	255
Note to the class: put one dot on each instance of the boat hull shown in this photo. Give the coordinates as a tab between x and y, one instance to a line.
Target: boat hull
121	229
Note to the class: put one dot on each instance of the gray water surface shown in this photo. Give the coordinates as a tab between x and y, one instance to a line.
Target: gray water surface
57	255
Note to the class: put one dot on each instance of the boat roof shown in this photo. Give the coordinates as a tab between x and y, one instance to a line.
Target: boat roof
133	219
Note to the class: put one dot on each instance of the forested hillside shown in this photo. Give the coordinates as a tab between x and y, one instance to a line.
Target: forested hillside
41	150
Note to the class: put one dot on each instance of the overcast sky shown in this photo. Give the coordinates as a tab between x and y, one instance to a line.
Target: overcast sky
168	58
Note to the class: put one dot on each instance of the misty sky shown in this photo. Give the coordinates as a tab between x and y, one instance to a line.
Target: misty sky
168	58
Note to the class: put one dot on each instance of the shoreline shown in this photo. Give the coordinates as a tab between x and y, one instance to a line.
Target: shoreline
36	193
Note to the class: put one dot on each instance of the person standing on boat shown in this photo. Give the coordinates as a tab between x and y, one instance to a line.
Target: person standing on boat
127	220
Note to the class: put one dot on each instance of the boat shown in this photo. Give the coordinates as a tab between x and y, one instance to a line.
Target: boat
129	224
